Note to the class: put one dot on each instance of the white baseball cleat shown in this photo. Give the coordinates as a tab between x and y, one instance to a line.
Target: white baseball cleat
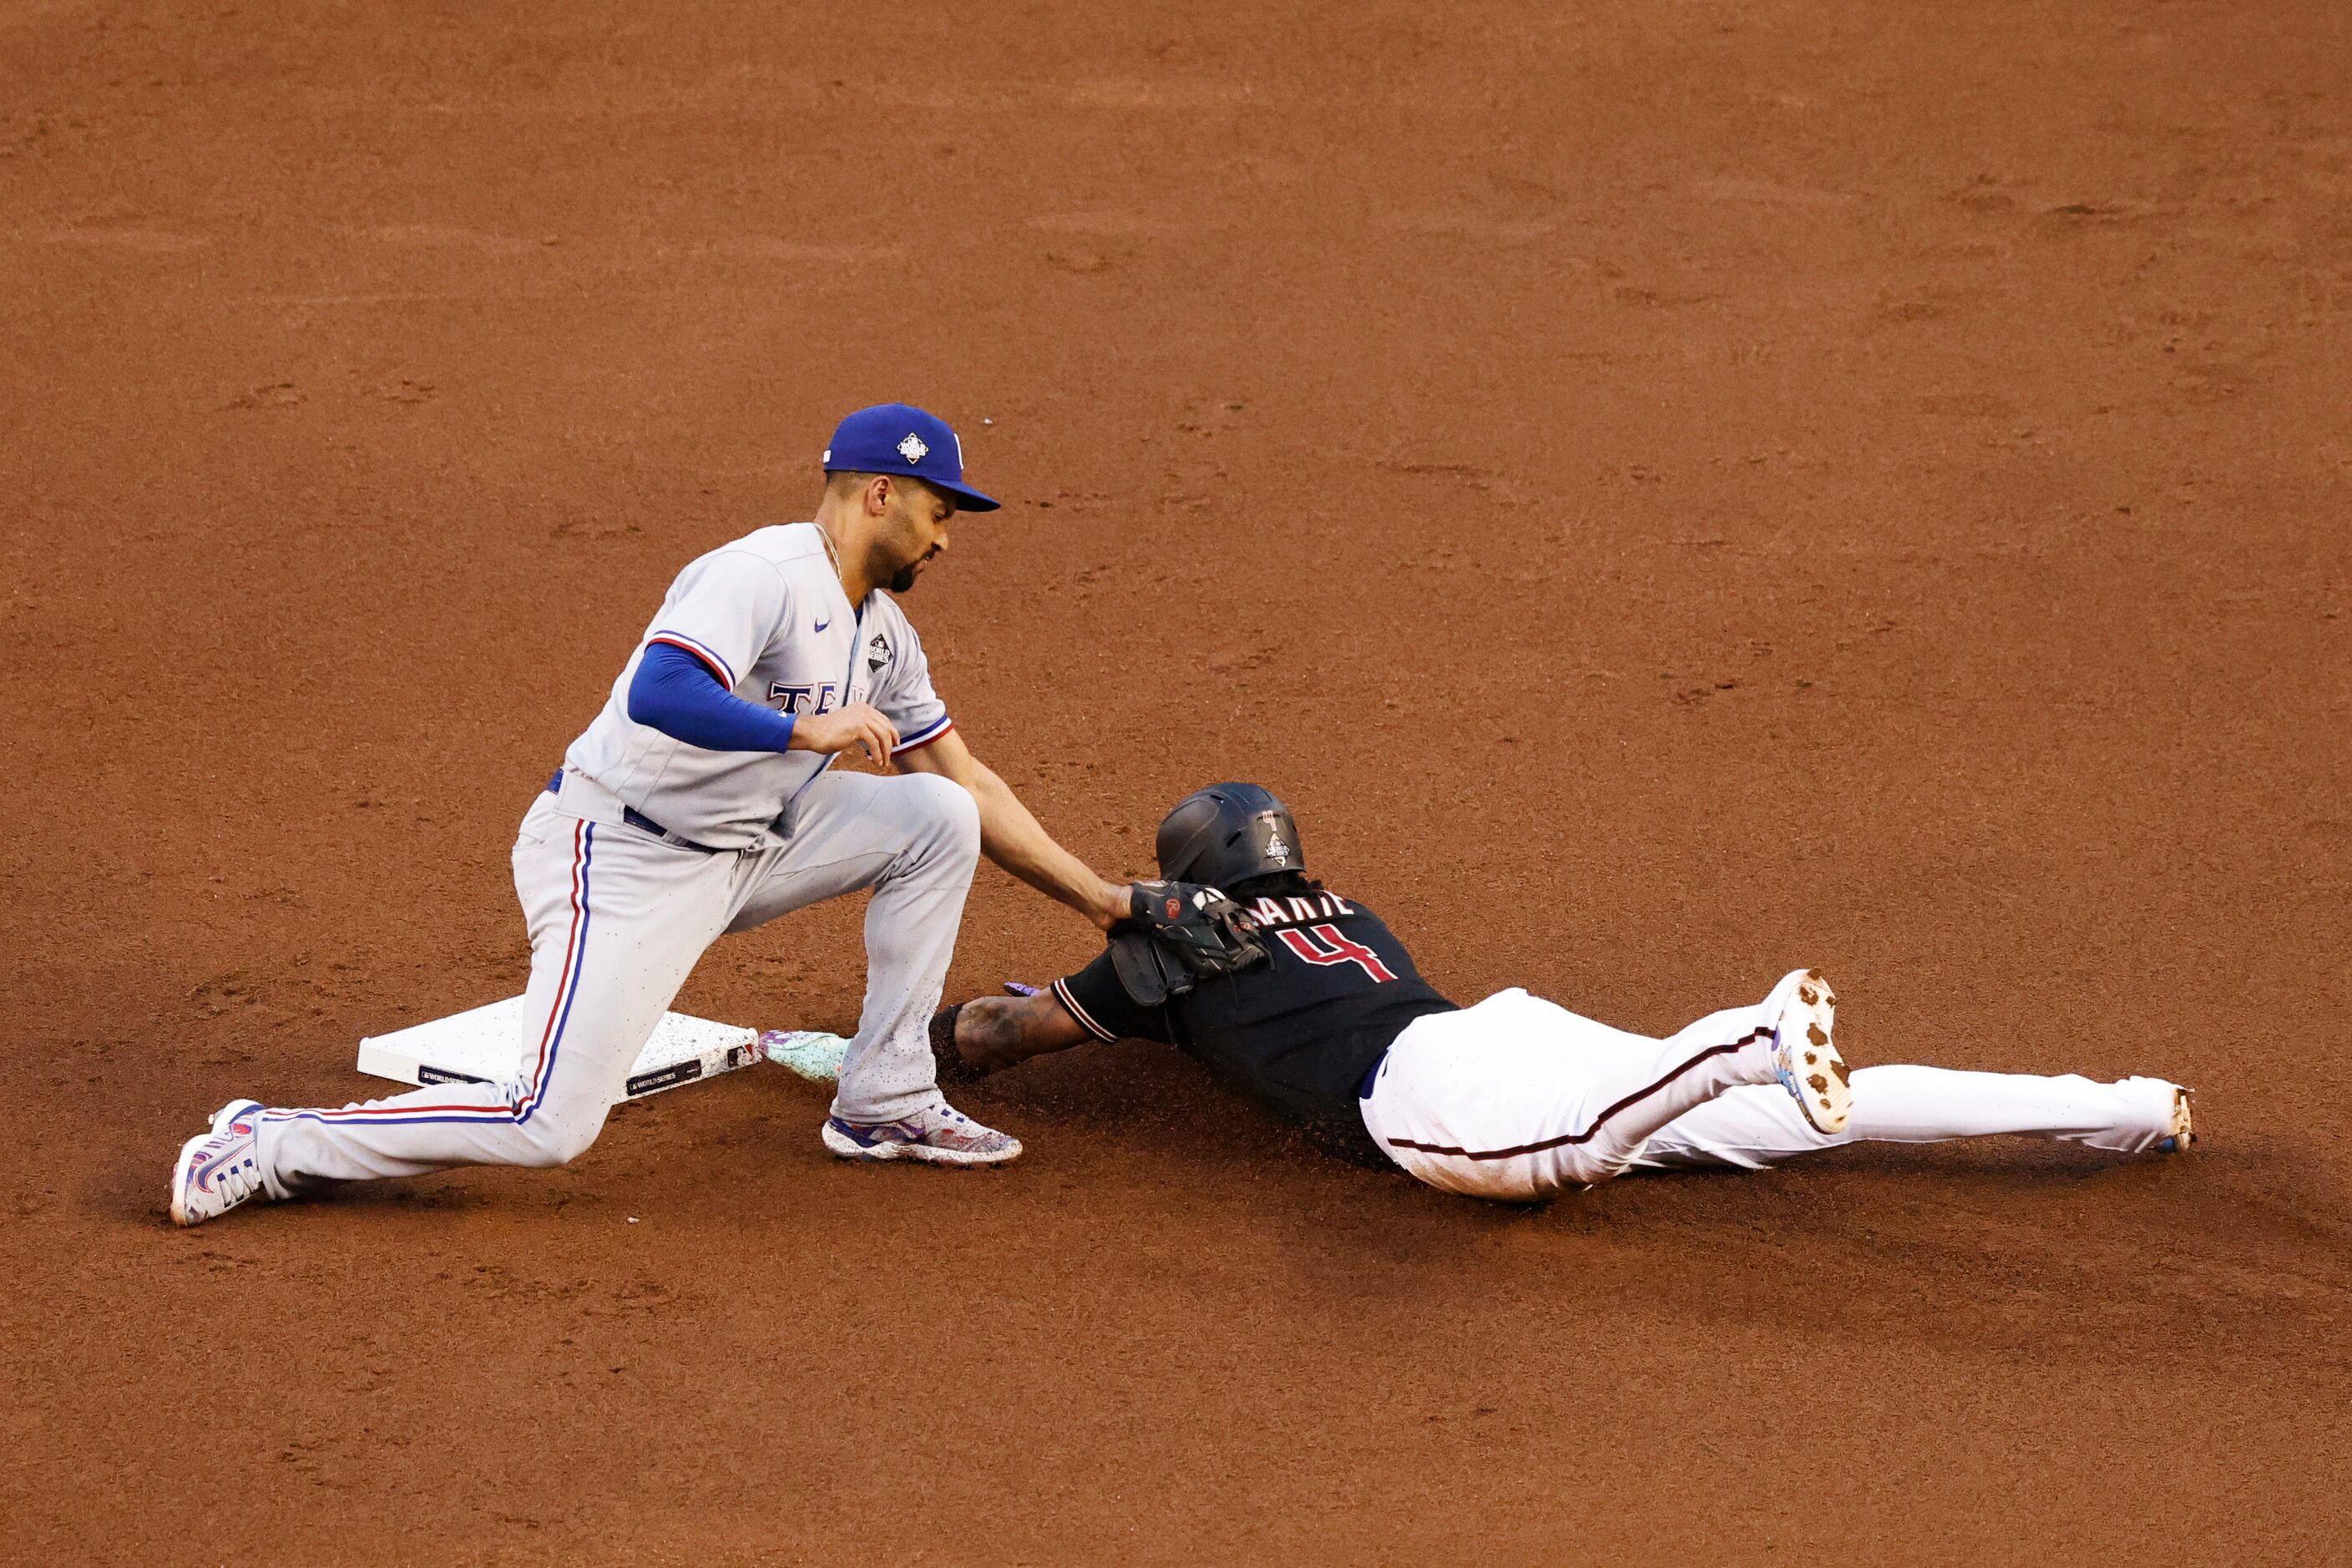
814	1053
941	1135
1805	1055
2183	1132
218	1169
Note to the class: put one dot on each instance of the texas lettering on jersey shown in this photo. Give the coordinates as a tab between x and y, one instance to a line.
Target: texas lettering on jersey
819	699
823	697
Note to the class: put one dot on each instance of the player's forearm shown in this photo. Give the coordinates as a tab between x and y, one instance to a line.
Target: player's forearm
1013	839
994	1033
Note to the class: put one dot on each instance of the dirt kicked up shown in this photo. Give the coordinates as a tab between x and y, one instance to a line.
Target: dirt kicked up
1668	493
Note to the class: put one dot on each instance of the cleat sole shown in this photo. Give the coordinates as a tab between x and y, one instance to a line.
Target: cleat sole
1805	1054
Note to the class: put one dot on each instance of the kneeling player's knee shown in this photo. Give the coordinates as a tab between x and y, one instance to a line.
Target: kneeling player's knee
551	1138
948	808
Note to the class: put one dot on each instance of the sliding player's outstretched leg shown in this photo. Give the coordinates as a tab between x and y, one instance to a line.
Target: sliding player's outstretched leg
1752	1128
1516	1098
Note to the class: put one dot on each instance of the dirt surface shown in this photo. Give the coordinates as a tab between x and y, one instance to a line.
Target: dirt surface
1669	491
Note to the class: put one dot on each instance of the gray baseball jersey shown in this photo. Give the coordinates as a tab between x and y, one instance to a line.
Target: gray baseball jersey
767	616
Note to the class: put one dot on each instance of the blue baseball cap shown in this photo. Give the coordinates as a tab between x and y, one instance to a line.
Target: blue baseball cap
900	438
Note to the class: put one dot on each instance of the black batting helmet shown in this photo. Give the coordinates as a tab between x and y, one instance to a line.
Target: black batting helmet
1228	833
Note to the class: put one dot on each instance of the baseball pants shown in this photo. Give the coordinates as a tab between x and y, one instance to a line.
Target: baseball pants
1518	1097
619	917
1515	1098
1753	1127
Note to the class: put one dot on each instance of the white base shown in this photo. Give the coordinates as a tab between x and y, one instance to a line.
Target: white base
485	1045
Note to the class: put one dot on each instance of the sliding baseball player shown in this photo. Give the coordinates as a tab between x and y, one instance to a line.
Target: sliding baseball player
1307	1006
702	801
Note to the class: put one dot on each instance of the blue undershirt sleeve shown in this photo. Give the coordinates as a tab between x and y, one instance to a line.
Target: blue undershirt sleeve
675	692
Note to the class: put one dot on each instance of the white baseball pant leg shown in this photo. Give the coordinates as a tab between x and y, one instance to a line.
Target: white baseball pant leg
914	838
1516	1098
1754	1128
617	920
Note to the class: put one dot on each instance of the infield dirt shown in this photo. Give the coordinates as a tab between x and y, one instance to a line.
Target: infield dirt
1668	492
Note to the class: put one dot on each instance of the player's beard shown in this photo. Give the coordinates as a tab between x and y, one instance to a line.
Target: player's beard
903	577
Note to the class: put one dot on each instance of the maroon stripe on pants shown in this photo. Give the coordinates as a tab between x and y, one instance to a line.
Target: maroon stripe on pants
1598	1122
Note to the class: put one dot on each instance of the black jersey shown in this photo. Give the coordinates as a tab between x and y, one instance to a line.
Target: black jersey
1295	1036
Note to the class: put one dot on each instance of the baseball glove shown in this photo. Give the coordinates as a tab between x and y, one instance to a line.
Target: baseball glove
1177	934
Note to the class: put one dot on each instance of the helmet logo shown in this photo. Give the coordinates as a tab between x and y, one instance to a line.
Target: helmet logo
912	448
1275	850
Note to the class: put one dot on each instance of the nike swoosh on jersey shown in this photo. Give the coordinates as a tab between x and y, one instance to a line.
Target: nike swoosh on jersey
821	625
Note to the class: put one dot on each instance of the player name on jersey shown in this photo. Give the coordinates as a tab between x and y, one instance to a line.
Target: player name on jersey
1316	906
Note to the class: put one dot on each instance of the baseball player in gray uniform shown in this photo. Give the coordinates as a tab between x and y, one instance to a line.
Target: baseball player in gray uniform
702	801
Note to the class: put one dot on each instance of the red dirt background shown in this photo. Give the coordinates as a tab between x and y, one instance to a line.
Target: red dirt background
1669	491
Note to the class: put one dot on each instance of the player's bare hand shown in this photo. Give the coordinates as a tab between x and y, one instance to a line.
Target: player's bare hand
860	727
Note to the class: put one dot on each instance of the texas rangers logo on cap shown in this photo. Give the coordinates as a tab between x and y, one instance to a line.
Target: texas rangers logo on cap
900	439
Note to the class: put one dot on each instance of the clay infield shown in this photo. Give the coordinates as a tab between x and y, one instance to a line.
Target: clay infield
1668	491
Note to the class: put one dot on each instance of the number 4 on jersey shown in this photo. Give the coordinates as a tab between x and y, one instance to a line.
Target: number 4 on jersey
1335	949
